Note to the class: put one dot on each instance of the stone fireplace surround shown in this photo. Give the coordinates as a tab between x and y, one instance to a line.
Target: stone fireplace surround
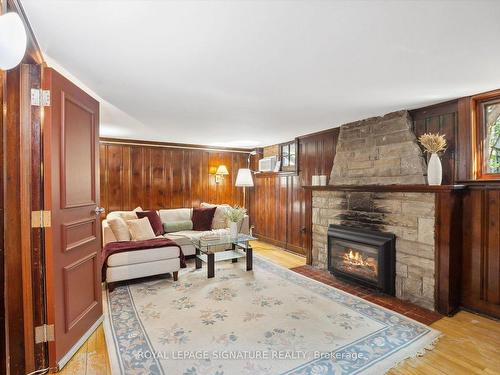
410	216
382	151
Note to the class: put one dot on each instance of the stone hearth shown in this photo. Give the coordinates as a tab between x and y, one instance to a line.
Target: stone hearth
382	151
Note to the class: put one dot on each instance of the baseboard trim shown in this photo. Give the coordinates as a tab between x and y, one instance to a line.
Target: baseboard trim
270	240
297	250
65	359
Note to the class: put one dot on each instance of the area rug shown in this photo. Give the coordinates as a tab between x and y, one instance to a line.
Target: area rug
266	321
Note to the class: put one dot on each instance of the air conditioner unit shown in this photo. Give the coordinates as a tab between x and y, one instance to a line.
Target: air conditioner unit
267	164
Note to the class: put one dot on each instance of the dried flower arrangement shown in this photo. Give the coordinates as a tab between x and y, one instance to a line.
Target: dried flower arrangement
235	214
433	143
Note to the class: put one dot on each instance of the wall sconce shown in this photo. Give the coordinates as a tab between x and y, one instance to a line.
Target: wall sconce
220	173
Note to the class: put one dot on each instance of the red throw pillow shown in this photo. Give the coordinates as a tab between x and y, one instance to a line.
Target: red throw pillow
202	218
154	220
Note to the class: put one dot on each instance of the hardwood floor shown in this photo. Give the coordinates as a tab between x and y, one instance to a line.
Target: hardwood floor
278	255
91	358
470	345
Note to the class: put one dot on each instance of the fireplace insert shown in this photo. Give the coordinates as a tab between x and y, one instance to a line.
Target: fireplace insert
363	256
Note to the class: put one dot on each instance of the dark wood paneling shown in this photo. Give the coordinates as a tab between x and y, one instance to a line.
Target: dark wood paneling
441	118
268	204
279	202
448	250
38	253
3	336
481	249
464	141
154	177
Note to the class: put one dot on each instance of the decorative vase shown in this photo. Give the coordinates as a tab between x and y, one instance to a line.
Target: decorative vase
434	170
233	229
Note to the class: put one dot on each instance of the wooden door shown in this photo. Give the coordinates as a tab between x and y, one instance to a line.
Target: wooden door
73	242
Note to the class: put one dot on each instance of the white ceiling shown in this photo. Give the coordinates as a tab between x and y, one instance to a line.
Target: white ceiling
250	73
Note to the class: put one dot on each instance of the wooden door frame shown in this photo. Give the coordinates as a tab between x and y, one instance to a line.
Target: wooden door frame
17	211
3	326
21	281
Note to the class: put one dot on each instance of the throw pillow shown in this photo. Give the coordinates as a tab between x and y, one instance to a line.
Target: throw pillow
220	219
119	228
140	229
177	226
130	215
202	218
154	220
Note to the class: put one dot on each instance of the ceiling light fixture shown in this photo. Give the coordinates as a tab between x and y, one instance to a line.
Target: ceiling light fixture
13	40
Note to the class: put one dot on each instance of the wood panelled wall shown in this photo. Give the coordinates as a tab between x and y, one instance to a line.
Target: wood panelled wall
278	209
481	249
442	119
480	257
165	177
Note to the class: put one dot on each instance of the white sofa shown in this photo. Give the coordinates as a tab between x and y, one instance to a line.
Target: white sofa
148	262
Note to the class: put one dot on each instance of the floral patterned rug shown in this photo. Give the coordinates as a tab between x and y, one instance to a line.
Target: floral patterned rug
267	321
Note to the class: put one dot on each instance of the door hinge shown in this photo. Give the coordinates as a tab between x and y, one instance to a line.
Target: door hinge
40	97
40	219
44	333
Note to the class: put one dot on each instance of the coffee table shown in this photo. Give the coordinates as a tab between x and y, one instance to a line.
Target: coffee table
240	247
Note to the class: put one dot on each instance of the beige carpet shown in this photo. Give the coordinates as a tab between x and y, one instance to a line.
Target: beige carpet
266	321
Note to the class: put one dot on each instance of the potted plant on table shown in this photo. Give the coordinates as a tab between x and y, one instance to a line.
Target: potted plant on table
235	215
433	144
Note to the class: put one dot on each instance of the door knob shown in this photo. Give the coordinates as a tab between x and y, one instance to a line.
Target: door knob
99	210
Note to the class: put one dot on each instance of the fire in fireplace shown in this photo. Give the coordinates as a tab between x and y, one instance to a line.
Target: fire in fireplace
366	257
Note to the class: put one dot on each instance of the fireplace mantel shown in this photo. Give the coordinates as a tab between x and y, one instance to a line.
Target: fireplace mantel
389	188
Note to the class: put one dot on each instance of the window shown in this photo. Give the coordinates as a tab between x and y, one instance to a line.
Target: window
487	133
491	126
288	153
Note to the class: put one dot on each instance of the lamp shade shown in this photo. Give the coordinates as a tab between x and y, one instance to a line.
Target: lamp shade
244	178
12	40
222	170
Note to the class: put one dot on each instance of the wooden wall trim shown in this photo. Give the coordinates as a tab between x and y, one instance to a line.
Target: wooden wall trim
186	146
25	214
464	170
3	335
22	300
37	245
17	198
476	135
